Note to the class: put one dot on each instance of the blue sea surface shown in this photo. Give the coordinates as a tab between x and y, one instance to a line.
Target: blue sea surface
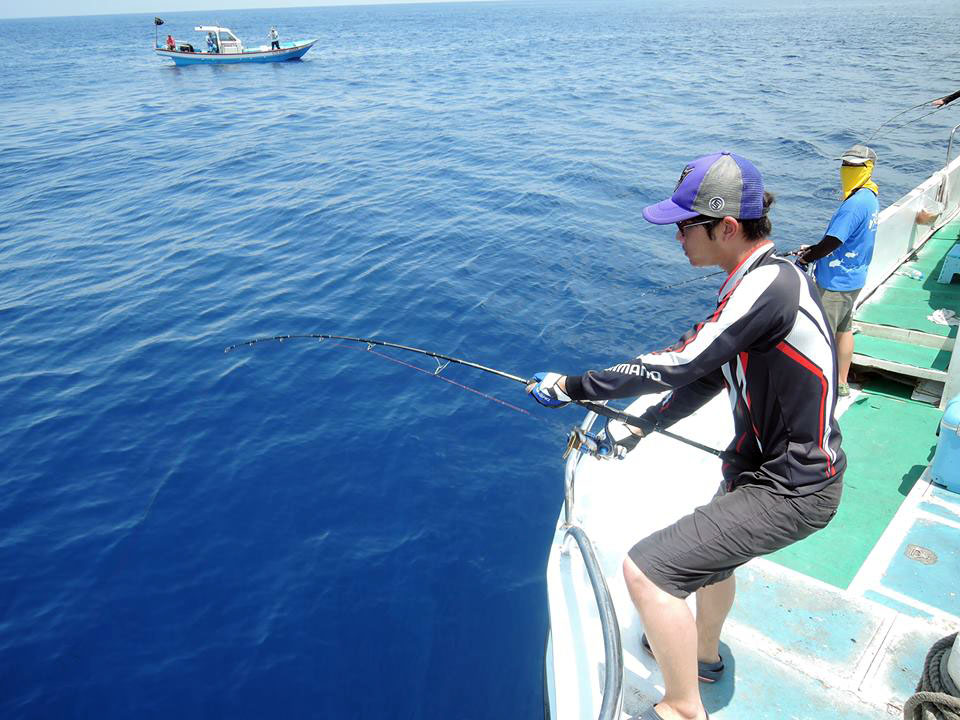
305	530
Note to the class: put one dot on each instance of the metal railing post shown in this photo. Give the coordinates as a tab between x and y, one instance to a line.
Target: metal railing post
950	145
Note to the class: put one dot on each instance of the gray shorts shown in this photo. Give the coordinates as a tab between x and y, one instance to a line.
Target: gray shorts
838	305
706	546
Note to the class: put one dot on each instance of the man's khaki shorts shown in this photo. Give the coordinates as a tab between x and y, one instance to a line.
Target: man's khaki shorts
838	305
738	525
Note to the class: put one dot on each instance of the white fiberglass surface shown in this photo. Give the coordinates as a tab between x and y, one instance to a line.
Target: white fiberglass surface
618	502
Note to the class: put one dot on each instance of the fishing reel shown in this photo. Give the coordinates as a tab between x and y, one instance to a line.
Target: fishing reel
599	444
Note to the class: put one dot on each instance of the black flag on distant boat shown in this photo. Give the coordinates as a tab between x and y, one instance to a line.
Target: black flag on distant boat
157	21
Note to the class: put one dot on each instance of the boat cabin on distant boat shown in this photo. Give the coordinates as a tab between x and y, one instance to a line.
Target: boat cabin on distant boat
225	41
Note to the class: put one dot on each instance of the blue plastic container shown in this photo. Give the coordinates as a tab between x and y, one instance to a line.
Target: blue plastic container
946	462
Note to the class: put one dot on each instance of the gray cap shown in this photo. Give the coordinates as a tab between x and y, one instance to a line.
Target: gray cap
858	155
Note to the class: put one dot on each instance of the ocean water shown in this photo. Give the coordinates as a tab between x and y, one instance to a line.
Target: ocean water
302	530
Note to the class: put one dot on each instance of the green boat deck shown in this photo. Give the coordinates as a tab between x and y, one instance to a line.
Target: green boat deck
852	610
895	333
889	440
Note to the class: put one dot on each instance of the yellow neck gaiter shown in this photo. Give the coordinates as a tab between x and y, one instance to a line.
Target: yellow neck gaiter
854	177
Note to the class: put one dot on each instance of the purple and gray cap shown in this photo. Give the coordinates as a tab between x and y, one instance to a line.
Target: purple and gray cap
719	185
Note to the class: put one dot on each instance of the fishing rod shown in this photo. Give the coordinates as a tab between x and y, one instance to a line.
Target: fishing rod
598	408
904	112
916	119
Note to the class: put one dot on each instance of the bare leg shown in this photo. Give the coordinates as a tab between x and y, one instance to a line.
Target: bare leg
713	606
844	355
672	633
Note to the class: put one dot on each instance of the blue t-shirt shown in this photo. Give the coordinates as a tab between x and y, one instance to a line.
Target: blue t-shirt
854	224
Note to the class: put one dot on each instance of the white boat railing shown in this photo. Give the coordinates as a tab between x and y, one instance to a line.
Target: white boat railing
900	231
950	145
613	650
612	701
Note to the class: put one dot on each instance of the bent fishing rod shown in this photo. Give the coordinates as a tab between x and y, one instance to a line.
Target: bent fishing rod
889	120
596	407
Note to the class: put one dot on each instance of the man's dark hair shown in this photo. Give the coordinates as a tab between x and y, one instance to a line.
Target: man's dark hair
760	227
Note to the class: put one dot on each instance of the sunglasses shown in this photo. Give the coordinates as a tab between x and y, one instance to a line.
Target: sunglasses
682	226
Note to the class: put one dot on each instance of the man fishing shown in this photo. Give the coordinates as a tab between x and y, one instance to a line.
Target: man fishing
844	254
769	344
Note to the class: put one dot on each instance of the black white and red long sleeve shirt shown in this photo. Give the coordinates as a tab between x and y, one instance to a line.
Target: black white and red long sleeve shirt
770	345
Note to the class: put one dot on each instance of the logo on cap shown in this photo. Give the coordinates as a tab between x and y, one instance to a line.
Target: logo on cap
716	203
686	171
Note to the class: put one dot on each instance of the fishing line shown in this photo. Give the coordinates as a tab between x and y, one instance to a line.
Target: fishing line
578	438
432	373
598	408
786	253
678	284
383	343
436	374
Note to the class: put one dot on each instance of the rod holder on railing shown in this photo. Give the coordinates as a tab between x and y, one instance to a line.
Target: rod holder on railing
569	471
612	701
950	145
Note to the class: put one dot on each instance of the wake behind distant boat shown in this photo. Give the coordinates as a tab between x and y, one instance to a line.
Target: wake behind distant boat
222	46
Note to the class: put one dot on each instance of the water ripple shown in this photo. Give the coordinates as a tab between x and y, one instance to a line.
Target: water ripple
259	533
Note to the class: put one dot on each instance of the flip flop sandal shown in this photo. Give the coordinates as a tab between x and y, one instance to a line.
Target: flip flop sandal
706	672
651	714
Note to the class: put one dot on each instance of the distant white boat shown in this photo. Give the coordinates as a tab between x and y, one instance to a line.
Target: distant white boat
229	49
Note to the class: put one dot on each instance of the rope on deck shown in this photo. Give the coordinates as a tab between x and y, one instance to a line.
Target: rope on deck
936	698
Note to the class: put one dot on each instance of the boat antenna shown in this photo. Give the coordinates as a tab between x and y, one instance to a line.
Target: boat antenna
598	408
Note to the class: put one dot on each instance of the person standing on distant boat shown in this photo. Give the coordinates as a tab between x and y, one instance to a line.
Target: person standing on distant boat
768	343
274	39
844	254
212	43
171	45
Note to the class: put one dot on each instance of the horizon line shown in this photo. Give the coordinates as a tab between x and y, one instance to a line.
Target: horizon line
323	3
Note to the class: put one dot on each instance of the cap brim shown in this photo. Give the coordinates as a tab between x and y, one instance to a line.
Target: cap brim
666	213
852	159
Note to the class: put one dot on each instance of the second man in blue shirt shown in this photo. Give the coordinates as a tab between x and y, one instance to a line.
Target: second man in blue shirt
844	254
